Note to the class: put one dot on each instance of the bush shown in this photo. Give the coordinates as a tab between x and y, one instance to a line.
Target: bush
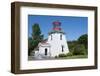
56	56
79	50
69	54
62	55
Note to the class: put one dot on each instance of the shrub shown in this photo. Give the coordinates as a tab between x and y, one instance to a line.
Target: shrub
79	50
56	56
69	54
62	55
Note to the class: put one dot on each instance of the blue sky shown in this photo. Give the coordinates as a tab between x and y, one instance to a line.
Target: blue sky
73	26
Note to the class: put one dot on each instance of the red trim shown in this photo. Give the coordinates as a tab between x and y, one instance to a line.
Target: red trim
56	29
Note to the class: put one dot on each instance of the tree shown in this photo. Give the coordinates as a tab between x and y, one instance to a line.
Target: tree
83	40
35	39
36	33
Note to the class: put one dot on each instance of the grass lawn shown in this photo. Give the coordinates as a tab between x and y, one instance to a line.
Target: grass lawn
74	57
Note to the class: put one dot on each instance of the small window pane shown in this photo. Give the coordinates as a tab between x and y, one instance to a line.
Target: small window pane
62	48
60	37
51	37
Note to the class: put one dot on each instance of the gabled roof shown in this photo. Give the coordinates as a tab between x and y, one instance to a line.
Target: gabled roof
44	43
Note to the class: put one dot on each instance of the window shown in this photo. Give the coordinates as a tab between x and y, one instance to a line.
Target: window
62	48
45	51
60	37
51	37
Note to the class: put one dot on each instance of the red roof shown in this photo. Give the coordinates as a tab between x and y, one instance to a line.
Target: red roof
57	23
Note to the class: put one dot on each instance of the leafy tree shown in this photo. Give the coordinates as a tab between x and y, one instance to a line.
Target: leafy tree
35	39
83	40
79	46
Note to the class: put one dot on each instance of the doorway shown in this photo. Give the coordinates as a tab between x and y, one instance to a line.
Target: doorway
46	51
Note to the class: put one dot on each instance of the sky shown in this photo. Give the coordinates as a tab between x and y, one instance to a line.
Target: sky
73	26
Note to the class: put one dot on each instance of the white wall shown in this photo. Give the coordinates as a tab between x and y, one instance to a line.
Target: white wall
56	44
5	32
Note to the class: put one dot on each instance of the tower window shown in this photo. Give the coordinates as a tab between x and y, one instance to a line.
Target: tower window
60	37
46	51
51	37
62	48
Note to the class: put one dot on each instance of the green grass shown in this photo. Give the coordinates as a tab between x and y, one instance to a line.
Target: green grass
74	57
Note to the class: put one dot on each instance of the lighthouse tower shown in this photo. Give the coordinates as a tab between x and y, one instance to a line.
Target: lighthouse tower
55	44
57	40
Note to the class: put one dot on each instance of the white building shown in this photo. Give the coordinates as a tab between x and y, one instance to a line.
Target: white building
55	44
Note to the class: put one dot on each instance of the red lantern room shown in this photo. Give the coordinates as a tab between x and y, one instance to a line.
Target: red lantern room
56	26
